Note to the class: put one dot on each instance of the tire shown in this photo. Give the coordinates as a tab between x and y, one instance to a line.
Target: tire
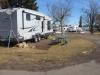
35	39
46	36
39	38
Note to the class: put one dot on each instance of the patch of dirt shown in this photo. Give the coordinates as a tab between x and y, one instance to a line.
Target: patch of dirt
42	45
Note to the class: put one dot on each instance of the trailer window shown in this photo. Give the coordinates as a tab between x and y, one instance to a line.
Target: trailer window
37	17
48	25
28	17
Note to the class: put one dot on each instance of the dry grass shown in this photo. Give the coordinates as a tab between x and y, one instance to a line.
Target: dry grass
97	33
57	52
73	48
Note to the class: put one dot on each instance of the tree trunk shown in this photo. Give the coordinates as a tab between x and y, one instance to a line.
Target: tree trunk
91	29
61	23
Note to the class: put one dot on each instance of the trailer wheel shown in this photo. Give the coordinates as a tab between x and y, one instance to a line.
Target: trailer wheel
35	39
39	38
46	36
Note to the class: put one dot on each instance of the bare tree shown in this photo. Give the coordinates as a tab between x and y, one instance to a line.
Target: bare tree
98	22
60	11
90	14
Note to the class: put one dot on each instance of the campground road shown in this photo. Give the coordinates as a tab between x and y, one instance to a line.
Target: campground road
90	68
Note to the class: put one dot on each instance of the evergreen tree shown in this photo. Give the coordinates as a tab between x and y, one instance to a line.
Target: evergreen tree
3	4
30	4
80	21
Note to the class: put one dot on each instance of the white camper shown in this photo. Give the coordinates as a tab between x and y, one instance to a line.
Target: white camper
24	23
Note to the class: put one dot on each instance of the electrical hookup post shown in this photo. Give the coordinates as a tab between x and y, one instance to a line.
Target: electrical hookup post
9	11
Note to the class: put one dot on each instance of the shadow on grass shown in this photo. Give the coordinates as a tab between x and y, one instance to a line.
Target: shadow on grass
5	44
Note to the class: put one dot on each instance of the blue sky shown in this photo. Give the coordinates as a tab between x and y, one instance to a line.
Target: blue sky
77	6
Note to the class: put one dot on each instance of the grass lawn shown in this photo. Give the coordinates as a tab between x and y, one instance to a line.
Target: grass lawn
75	47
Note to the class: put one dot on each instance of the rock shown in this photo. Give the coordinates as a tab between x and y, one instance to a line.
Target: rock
33	46
22	45
19	45
85	52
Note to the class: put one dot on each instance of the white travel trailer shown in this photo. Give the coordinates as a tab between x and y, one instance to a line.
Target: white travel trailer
24	23
72	28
